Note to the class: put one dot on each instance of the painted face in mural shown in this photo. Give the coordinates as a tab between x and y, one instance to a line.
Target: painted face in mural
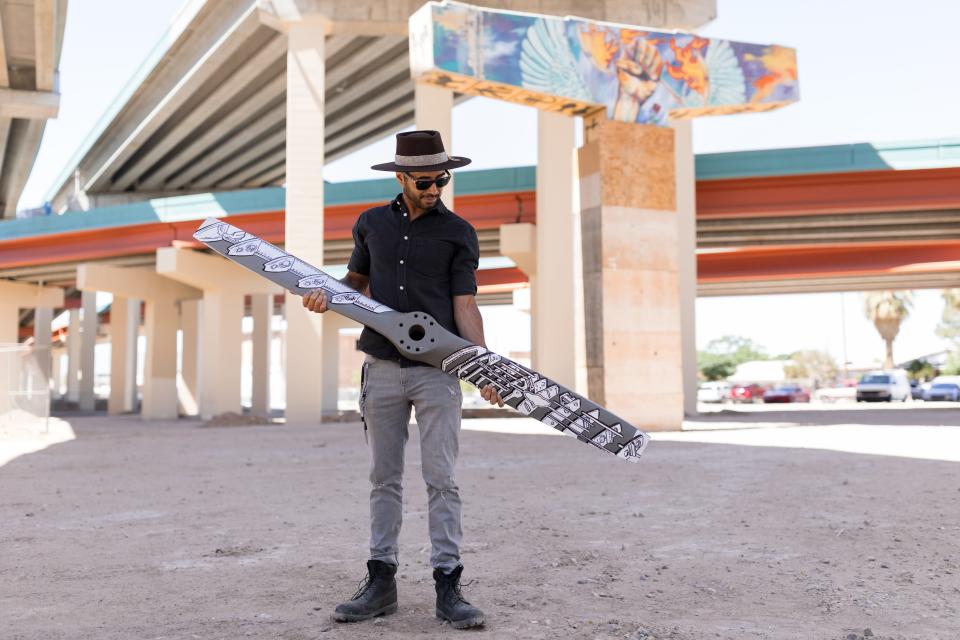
422	188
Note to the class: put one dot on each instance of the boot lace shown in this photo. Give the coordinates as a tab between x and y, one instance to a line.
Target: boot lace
455	588
362	586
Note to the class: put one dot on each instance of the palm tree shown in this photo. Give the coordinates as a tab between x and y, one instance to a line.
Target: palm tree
887	309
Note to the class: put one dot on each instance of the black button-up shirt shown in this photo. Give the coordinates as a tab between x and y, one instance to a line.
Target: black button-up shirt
414	266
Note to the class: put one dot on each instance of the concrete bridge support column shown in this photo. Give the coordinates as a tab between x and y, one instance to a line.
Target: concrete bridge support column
687	258
191	358
161	322
631	283
124	325
73	356
557	300
262	312
303	228
88	343
42	321
433	109
224	285
332	324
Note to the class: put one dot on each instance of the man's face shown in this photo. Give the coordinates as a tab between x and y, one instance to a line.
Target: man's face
426	198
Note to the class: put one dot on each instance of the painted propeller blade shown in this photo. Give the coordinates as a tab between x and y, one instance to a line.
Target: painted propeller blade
419	337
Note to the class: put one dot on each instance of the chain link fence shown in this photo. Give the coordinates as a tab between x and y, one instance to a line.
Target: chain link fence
24	389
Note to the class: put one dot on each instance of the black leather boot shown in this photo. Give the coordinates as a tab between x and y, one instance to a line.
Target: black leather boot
377	596
451	604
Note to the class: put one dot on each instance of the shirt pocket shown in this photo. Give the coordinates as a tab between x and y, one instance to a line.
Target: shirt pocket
432	258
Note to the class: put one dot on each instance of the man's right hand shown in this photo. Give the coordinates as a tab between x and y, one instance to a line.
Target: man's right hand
316	301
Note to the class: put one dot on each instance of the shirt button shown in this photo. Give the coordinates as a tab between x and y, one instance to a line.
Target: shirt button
401	262
404	215
401	287
405	237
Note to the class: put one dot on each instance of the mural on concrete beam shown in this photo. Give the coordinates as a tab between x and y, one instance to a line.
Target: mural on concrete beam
578	66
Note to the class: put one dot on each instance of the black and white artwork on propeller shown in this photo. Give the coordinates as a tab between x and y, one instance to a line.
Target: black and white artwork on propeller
419	337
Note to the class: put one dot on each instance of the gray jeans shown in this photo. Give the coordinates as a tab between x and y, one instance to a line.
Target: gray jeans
389	392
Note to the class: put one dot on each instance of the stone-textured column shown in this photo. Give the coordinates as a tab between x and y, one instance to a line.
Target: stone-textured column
303	228
160	362
88	343
433	109
261	308
42	320
559	286
631	289
124	325
687	258
73	356
191	361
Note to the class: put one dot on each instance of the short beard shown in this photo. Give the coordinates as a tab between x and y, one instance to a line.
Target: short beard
416	197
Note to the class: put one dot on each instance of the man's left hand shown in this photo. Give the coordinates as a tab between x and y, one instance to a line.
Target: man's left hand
489	393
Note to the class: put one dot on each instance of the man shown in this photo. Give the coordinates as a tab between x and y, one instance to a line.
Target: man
414	254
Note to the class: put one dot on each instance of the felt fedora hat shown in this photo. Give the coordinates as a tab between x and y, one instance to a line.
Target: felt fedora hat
421	151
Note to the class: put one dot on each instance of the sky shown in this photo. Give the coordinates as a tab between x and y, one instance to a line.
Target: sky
870	71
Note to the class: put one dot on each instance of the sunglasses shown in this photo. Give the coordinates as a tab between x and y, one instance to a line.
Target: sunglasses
423	184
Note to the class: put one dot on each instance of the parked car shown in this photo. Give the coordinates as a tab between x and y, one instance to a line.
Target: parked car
884	386
916	390
786	393
747	393
717	391
943	391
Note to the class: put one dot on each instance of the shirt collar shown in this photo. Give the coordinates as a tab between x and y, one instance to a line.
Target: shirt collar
398	205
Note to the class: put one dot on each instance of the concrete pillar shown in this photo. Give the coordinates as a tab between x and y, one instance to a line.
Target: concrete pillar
332	324
88	342
631	287
303	227
124	324
42	321
73	356
222	337
518	241
191	361
262	311
224	285
687	258
160	362
56	371
433	109
556	310
15	296
161	321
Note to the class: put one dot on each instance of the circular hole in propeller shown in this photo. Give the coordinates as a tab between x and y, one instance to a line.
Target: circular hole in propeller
417	332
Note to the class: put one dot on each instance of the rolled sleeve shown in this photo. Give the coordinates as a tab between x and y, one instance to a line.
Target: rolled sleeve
360	258
463	272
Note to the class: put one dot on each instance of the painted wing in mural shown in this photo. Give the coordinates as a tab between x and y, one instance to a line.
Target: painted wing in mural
547	64
419	337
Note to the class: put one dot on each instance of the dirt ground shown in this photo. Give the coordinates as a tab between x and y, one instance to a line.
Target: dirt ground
178	531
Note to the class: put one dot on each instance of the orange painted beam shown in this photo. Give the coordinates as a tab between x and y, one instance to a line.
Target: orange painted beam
483	211
766	263
830	193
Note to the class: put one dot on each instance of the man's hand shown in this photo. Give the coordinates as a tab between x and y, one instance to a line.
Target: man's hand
489	393
316	301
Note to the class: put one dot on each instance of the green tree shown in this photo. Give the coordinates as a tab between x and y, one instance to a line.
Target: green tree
722	355
921	370
887	310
